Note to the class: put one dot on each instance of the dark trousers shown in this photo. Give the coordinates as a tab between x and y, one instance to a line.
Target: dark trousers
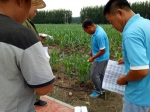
98	70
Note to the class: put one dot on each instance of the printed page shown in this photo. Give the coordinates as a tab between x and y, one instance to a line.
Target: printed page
113	71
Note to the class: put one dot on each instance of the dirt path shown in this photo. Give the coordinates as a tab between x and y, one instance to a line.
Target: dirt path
69	90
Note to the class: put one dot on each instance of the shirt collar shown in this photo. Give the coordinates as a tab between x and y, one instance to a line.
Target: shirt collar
96	30
130	21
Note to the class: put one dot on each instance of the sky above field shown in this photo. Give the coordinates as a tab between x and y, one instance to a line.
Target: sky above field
76	5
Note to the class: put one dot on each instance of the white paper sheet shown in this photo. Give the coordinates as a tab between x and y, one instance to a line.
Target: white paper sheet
46	52
113	71
45	35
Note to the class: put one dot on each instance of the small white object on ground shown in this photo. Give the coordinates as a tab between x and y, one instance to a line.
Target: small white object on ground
70	93
80	109
77	109
84	109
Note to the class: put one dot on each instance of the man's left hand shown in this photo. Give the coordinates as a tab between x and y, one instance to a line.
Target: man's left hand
121	80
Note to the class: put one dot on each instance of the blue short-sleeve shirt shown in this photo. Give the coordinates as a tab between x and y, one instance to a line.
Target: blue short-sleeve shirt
136	54
100	41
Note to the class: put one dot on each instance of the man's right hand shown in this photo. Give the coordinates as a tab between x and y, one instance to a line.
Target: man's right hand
121	61
90	53
42	37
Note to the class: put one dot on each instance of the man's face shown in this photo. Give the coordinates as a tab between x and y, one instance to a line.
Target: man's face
88	30
23	10
116	21
32	13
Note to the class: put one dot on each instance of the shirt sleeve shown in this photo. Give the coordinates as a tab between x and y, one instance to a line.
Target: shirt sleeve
35	66
136	53
100	42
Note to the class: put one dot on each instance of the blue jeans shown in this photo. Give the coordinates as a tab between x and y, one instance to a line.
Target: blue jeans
129	107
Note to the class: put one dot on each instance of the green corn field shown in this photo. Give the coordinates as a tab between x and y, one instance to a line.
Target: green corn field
72	45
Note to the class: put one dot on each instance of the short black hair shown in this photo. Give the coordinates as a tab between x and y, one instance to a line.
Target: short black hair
112	5
87	22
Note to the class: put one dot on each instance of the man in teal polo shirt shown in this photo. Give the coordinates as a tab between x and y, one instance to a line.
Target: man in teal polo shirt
99	54
136	54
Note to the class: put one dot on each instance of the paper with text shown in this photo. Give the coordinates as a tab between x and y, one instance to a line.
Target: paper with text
112	72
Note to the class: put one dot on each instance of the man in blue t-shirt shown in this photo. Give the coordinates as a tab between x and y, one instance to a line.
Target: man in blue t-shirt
136	54
99	54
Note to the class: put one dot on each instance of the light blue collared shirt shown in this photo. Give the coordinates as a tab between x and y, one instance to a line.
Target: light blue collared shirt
100	41
136	54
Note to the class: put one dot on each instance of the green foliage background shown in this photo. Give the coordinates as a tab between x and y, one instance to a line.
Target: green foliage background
72	47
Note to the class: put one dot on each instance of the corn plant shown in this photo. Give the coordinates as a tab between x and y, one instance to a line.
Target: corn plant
74	44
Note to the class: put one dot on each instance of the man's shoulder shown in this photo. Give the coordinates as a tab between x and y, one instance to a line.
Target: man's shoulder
21	30
17	34
26	36
101	34
136	29
99	27
100	30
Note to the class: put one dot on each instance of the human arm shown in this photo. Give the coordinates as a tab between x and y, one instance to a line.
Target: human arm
138	61
35	67
99	43
37	71
133	75
101	52
44	90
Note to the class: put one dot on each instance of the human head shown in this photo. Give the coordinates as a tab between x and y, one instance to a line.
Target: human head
89	26
32	13
36	4
118	12
15	9
18	10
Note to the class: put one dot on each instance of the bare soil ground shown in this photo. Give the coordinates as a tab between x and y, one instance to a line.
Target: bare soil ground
68	90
